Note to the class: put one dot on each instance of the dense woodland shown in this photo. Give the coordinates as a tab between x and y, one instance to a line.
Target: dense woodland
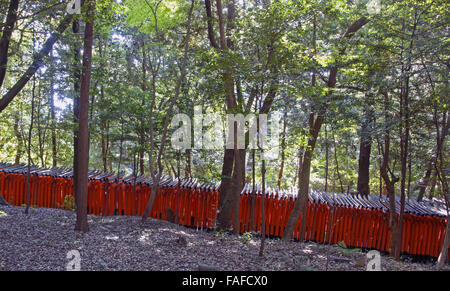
362	88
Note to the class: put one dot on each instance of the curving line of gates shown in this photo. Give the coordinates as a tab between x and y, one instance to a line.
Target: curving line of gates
331	218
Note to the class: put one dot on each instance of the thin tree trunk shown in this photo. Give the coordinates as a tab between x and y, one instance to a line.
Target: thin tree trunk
326	159
188	171
19	137
423	184
52	113
11	19
178	186
337	164
142	131
76	104
30	131
83	130
36	64
252	214
390	182
173	99
443	255
283	150
116	203
134	183
300	205
263	196
364	154
433	186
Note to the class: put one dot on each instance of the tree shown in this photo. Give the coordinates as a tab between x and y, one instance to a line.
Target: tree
315	123
157	176
11	19
83	131
36	64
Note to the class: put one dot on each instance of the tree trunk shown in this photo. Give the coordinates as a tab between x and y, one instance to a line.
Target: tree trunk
389	183
52	114
76	104
423	184
30	131
237	186
252	212
36	64
224	214
11	19
83	130
263	196
172	100
337	164
326	159
283	150
364	154
443	255
188	171
300	205
19	137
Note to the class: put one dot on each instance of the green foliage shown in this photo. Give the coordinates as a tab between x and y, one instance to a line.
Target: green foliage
346	250
137	48
153	15
222	233
246	237
69	203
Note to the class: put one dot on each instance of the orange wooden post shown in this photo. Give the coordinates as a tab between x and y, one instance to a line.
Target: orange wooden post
257	212
320	223
434	238
430	235
339	224
98	194
418	250
379	231
374	233
386	233
21	181
182	206
353	228
242	206
285	212
279	216
418	246
17	188
364	227
413	234
423	231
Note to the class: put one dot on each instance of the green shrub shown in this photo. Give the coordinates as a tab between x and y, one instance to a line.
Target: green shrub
69	203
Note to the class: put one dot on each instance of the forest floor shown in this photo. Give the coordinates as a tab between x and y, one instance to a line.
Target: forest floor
42	240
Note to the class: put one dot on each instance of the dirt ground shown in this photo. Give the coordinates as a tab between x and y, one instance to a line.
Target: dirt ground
43	239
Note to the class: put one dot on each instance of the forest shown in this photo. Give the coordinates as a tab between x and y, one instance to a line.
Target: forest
351	97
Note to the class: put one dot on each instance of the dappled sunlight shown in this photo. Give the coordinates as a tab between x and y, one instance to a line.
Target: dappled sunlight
176	231
113	237
144	238
307	251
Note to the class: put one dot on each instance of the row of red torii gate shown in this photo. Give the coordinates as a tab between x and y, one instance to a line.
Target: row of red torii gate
331	218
